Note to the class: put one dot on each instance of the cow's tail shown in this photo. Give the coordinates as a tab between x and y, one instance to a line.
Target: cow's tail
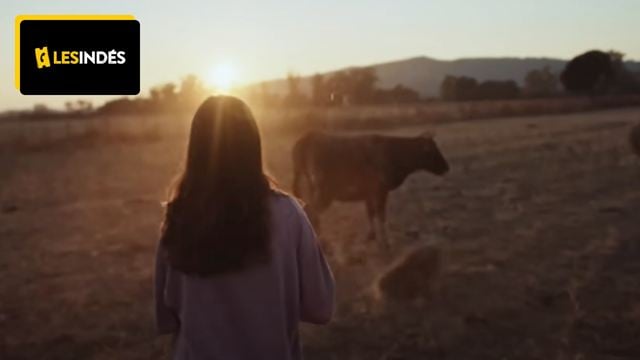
300	166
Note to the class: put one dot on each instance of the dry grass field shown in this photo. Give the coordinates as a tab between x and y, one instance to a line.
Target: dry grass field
537	223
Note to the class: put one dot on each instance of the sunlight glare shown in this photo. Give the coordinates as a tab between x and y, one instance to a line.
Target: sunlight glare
222	77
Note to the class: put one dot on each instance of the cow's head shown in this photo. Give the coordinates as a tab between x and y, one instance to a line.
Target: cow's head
431	157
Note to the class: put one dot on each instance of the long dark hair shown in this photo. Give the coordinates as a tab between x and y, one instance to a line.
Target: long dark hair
217	217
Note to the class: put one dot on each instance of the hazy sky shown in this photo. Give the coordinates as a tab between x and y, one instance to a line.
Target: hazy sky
265	39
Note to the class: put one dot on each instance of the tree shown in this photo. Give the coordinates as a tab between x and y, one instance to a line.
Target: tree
623	80
40	109
590	73
265	95
460	88
361	84
320	96
84	106
399	94
338	87
448	88
162	97
497	90
355	86
294	96
168	91
192	91
540	83
155	95
192	88
118	106
465	88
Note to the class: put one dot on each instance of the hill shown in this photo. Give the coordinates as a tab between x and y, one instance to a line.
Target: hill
425	74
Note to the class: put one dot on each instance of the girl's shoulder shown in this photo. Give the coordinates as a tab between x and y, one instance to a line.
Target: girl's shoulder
285	203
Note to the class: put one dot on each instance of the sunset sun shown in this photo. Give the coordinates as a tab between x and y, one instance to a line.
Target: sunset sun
222	76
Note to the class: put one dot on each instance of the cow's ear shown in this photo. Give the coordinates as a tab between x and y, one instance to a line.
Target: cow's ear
427	134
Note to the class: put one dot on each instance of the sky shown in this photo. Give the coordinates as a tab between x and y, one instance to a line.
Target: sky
266	39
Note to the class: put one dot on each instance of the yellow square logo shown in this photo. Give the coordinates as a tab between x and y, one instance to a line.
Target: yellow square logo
42	57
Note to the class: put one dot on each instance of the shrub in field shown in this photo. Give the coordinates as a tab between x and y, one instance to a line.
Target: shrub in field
414	277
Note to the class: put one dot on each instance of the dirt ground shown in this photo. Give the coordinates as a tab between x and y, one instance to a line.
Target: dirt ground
537	221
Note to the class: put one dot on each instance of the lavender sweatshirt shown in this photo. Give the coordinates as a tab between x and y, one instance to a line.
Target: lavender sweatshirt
253	314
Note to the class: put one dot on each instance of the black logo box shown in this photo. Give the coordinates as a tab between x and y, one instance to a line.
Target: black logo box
80	35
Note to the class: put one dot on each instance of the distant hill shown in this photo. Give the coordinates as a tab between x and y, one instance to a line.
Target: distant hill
425	74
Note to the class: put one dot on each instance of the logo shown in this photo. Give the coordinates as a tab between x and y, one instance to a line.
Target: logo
112	57
77	55
42	57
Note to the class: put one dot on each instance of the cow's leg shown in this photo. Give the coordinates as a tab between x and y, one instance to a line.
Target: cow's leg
320	201
319	204
371	215
381	217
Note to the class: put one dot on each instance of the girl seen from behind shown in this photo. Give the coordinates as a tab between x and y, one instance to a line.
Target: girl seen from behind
238	265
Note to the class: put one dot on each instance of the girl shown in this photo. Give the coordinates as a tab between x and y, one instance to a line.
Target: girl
238	265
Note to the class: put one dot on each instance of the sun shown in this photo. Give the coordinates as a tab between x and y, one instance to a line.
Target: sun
222	77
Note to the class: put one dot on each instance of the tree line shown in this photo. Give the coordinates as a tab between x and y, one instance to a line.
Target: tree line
162	98
591	73
356	86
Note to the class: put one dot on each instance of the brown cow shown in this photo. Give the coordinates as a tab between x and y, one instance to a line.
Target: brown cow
360	168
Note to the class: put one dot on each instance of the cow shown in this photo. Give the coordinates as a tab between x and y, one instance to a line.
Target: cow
360	168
